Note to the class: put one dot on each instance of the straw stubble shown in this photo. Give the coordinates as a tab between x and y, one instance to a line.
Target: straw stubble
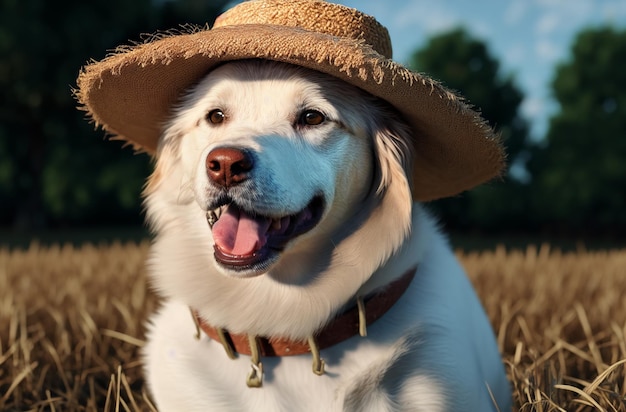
72	326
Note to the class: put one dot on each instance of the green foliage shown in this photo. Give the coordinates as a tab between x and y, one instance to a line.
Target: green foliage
580	175
465	64
54	169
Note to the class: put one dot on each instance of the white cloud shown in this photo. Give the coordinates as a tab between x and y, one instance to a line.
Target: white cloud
571	12
547	50
482	29
548	23
536	110
614	12
433	18
516	11
532	107
515	55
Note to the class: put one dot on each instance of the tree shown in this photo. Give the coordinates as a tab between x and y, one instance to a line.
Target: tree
53	168
580	174
465	64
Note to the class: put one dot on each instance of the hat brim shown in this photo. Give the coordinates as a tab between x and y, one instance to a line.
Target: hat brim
131	93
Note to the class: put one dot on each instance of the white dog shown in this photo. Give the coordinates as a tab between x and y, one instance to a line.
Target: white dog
281	200
297	273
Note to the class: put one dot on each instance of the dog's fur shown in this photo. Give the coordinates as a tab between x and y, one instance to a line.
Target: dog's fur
433	351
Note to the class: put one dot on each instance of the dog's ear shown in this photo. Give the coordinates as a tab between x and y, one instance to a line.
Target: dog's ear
166	185
394	157
166	157
393	153
156	177
391	219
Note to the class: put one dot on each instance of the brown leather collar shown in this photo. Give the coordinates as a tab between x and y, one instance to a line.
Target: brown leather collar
344	326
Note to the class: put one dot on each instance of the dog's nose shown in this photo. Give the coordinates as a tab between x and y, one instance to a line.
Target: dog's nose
228	166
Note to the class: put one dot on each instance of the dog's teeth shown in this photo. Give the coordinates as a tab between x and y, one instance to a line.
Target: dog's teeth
211	217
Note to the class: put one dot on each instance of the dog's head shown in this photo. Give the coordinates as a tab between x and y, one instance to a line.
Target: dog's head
296	171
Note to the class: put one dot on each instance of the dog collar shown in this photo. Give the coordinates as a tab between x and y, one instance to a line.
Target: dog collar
351	322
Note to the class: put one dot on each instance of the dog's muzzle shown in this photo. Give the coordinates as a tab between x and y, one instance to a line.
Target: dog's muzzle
246	240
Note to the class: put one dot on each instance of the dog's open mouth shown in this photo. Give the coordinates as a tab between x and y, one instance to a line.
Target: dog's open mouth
245	240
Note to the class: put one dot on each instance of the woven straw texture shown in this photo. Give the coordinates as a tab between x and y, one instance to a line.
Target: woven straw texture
131	92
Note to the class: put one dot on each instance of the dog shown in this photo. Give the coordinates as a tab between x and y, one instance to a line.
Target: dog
280	201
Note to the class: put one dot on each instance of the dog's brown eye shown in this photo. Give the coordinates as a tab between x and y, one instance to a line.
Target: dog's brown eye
312	118
216	116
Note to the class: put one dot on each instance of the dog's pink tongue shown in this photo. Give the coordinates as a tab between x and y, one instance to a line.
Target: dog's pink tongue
238	233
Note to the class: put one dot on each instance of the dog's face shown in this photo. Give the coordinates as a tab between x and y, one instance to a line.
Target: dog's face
288	165
267	149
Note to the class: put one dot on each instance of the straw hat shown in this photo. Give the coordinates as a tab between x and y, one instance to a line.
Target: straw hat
131	92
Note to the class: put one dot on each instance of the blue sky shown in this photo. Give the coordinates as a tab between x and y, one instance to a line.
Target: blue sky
528	37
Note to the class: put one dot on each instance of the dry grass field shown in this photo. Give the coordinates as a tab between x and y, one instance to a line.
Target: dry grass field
71	326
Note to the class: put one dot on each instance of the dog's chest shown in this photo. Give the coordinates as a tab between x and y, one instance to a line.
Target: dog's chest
206	375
